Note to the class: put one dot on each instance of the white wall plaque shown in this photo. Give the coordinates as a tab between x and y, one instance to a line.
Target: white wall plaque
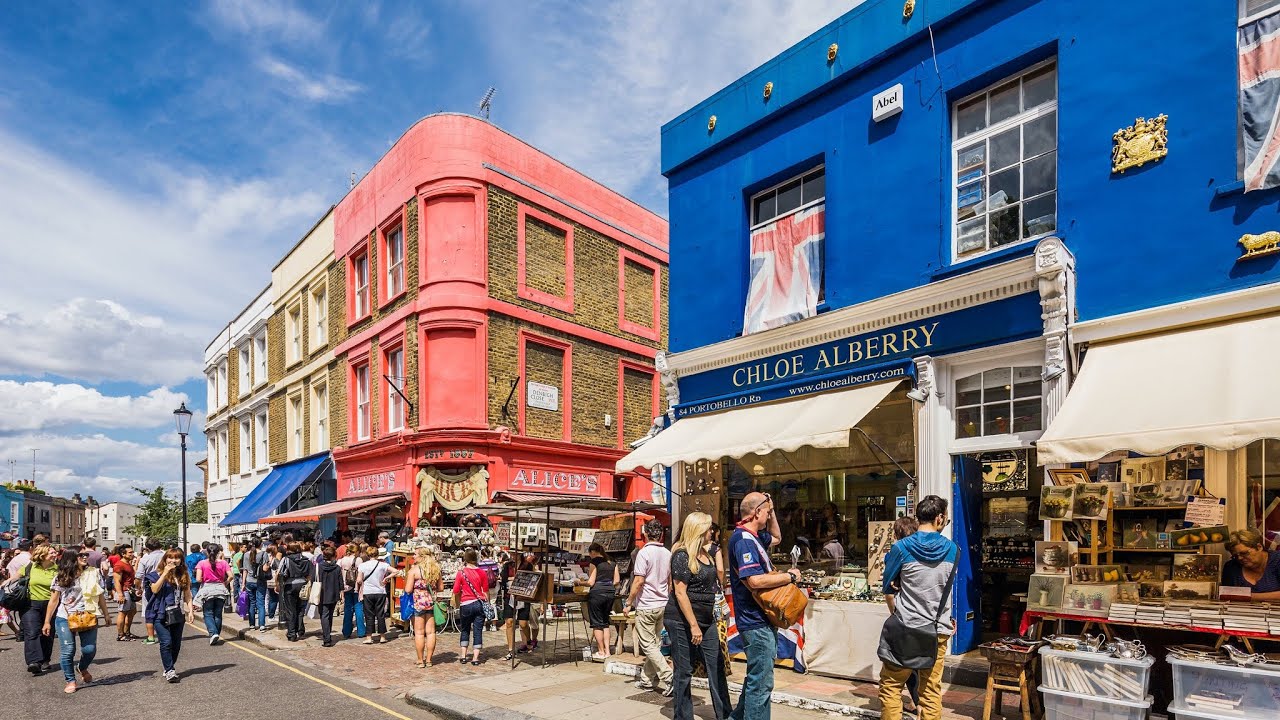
887	103
543	397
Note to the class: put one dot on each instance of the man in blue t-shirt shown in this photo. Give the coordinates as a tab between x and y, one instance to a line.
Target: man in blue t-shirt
750	569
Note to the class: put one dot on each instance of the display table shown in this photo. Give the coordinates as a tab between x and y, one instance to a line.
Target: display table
841	638
1035	616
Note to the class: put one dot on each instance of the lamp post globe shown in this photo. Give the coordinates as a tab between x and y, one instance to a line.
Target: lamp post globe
182	418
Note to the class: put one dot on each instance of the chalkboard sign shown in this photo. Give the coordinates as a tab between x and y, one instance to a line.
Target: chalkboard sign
614	541
525	584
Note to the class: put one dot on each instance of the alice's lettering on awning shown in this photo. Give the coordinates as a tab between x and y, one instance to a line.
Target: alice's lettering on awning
373	484
524	479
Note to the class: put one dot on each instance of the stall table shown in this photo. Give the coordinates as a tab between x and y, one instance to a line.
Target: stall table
1105	625
841	638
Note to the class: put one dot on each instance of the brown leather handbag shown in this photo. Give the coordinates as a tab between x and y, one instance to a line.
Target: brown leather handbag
782	606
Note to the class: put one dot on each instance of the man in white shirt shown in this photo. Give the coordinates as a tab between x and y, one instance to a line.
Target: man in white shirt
833	550
651	576
19	561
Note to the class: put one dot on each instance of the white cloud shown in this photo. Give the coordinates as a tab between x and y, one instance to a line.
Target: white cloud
31	406
318	88
98	465
598	90
275	18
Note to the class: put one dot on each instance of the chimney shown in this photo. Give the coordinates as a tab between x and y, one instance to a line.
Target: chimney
75	498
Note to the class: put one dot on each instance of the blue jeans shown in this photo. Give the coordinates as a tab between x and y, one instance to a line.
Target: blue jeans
255	604
471	624
213	615
273	603
67	641
235	589
170	637
762	649
352	608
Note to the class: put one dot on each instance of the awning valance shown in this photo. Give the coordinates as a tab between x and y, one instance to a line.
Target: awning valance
821	421
341	507
1212	385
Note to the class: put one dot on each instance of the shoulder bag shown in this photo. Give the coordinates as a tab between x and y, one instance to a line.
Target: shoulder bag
915	647
173	614
17	594
782	606
490	612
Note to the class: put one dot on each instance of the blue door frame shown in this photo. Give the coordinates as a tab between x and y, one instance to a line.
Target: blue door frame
966	524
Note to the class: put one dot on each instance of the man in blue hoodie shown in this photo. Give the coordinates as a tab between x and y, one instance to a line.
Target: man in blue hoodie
917	576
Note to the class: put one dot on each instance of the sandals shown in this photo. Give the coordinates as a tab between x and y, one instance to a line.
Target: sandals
421	664
475	663
70	688
509	656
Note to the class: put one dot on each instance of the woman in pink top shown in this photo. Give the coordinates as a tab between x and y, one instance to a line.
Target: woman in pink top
214	576
470	594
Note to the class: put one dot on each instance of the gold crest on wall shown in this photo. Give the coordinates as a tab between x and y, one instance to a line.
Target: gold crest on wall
1142	142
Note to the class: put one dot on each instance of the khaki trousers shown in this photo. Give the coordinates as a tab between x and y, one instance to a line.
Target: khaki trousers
893	680
655	671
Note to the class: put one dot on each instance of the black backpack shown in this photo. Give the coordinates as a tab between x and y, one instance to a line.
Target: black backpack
17	594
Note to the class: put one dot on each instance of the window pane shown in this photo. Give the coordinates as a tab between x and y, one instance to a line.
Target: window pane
1040	175
971	162
1004	102
971	236
1004	226
1026	415
967	422
969	390
1004	149
1026	382
1040	215
1004	188
971	116
996	385
1039	87
969	200
789	197
765	208
815	186
1040	135
995	419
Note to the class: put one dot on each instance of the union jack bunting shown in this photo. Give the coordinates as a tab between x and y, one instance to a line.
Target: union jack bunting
786	270
790	641
1259	44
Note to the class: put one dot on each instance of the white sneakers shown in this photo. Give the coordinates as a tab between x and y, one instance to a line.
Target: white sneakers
215	639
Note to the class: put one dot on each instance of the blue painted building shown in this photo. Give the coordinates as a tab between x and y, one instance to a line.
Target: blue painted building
12	511
932	227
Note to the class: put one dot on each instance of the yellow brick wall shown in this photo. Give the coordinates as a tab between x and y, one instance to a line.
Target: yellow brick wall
411	368
275	346
639	293
338	403
637	404
233	446
277	429
544	365
233	376
544	248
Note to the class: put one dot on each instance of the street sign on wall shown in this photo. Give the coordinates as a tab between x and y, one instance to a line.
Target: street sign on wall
543	397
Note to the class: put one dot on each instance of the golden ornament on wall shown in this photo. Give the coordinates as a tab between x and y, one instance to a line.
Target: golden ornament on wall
1142	142
711	123
768	90
908	9
832	49
1267	243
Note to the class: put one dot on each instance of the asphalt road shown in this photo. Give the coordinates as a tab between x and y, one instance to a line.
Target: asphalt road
234	680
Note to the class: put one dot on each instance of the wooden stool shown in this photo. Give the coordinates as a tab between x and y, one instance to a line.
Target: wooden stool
1011	671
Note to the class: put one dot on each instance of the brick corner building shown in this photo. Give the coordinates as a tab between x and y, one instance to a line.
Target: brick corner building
502	316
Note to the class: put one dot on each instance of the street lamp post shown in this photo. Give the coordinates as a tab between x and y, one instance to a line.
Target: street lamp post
183	418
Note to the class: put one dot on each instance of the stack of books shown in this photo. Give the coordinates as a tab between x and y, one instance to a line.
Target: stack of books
1215	702
1177	613
1150	613
1247	618
1123	612
1207	616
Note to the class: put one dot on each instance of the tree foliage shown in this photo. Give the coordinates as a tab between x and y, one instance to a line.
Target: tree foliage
158	516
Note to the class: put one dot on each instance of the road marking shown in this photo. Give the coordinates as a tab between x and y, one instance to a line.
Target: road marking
329	685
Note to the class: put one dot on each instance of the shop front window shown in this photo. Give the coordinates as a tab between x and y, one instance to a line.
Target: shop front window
1262	477
1001	401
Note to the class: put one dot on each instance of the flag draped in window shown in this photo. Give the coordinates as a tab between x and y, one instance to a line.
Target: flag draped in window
786	270
1259	46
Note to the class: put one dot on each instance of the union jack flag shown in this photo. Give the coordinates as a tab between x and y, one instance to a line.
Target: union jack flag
1259	46
786	270
790	640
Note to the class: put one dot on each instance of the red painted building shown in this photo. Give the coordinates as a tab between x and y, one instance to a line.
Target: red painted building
503	312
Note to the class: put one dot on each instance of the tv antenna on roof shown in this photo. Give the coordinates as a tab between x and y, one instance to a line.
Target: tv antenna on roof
486	102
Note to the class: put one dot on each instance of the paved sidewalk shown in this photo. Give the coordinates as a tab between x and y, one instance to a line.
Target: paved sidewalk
495	690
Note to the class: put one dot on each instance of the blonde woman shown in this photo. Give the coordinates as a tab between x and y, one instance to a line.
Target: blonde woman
41	571
690	618
424	581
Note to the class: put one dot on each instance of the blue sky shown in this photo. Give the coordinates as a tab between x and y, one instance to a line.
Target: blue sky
159	159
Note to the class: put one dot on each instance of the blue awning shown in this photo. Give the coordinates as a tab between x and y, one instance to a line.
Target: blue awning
275	488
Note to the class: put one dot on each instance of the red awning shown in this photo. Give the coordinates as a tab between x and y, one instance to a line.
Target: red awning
342	507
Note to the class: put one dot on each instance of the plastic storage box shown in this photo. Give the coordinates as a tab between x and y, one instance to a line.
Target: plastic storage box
1207	691
1095	674
1060	705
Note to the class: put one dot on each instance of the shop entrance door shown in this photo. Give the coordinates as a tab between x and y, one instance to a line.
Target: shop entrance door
966	524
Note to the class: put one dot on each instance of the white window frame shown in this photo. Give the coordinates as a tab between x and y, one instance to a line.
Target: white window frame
395	404
295	425
211	389
360	272
1246	19
320	316
1028	354
246	445
319	416
395	266
222	383
213	456
1022	118
243	364
363	430
293	326
751	203
224	453
260	358
262	438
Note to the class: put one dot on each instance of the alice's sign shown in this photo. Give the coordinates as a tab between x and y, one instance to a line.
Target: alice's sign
558	482
379	483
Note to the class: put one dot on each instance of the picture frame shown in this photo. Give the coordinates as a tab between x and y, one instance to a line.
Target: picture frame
1197	536
1045	592
1197	567
1145	495
1142	470
1108	472
1089	599
1139	533
1177	590
1056	502
1151	590
1055	557
1066	477
1152	572
1091	501
1086	574
1128	592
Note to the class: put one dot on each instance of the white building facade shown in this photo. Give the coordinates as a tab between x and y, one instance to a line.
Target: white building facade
108	522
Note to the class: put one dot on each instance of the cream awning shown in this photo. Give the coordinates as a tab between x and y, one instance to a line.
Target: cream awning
1215	385
821	421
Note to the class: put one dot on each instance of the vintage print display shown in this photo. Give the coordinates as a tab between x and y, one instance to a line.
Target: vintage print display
525	584
1128	592
1142	471
1154	572
1005	471
1145	495
1045	592
1140	533
1176	590
1193	537
1066	477
1056	502
1196	567
1108	472
1089	599
1096	573
1091	502
1055	557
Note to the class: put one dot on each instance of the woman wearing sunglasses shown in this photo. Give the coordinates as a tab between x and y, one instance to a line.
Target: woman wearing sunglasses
73	611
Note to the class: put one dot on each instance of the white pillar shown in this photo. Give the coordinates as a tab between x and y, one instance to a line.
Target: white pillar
933	463
1056	273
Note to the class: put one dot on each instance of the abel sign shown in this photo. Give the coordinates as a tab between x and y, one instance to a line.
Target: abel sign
886	104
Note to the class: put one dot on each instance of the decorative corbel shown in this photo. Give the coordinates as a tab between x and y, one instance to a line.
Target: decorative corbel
1055	272
669	382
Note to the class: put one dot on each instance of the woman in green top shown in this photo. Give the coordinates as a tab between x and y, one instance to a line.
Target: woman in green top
38	647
